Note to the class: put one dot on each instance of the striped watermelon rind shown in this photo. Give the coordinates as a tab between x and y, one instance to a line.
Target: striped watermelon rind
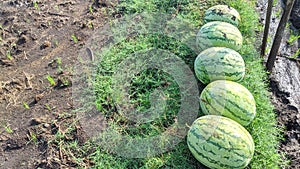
219	63
229	99
219	34
219	142
222	13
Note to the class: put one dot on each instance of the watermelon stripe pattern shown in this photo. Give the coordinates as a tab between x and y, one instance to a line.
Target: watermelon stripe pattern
218	139
219	34
229	99
219	63
219	142
222	13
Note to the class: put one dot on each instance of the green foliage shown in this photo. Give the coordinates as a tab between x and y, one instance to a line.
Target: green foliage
142	85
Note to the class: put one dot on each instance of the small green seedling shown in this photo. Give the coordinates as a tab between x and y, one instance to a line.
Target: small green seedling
293	37
26	106
296	54
65	82
51	80
56	43
91	9
8	55
48	107
56	8
74	38
90	25
33	138
8	129
35	5
58	61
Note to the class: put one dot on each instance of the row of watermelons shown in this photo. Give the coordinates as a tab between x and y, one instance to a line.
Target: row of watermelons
218	139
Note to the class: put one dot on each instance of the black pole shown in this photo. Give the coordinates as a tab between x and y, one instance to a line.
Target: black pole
267	27
279	35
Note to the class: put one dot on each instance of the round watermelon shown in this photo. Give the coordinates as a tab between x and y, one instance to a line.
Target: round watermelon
219	34
219	142
222	13
229	99
219	63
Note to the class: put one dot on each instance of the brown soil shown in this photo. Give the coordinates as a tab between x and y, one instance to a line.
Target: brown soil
35	37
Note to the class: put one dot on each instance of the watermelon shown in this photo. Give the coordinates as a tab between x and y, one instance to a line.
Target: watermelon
228	99
219	63
219	34
222	13
219	142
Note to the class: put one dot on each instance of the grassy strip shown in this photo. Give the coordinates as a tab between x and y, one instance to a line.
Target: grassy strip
264	131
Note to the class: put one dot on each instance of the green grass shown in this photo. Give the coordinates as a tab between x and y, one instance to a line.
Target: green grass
264	128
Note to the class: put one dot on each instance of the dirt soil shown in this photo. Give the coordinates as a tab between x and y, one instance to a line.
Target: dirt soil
285	84
285	87
36	41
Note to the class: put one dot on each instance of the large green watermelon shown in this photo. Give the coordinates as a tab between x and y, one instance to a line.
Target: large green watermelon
219	63
228	99
219	34
222	13
221	143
